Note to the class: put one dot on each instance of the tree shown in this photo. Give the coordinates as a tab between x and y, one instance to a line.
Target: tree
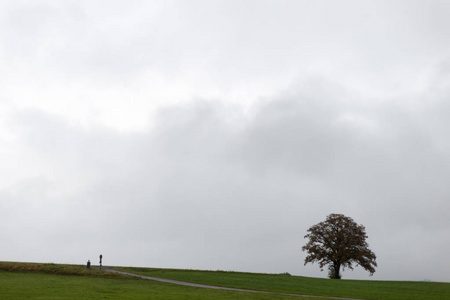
339	242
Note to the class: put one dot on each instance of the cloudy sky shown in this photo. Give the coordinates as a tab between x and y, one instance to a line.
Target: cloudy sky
213	134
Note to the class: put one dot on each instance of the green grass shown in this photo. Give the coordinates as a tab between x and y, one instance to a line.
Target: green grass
386	290
67	282
53	281
56	269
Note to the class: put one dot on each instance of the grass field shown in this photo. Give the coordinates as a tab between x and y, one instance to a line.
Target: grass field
388	290
51	281
70	282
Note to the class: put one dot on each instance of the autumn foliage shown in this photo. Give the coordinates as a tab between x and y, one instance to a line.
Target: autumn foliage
339	242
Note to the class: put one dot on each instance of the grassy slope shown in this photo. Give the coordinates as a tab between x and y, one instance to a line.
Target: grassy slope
388	290
69	282
51	281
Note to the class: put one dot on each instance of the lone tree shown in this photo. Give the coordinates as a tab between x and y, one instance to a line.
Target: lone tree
339	242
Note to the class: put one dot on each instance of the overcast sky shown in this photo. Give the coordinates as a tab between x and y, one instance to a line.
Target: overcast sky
213	134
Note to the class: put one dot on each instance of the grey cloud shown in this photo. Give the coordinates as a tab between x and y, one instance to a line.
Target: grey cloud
196	192
115	40
211	186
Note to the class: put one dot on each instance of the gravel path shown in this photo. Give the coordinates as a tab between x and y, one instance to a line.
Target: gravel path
218	287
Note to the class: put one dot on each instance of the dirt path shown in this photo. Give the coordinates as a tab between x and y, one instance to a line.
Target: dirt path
218	287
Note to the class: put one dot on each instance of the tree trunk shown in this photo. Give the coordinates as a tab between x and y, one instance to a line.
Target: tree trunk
337	268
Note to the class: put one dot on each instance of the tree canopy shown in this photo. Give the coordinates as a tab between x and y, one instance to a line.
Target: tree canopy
339	242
